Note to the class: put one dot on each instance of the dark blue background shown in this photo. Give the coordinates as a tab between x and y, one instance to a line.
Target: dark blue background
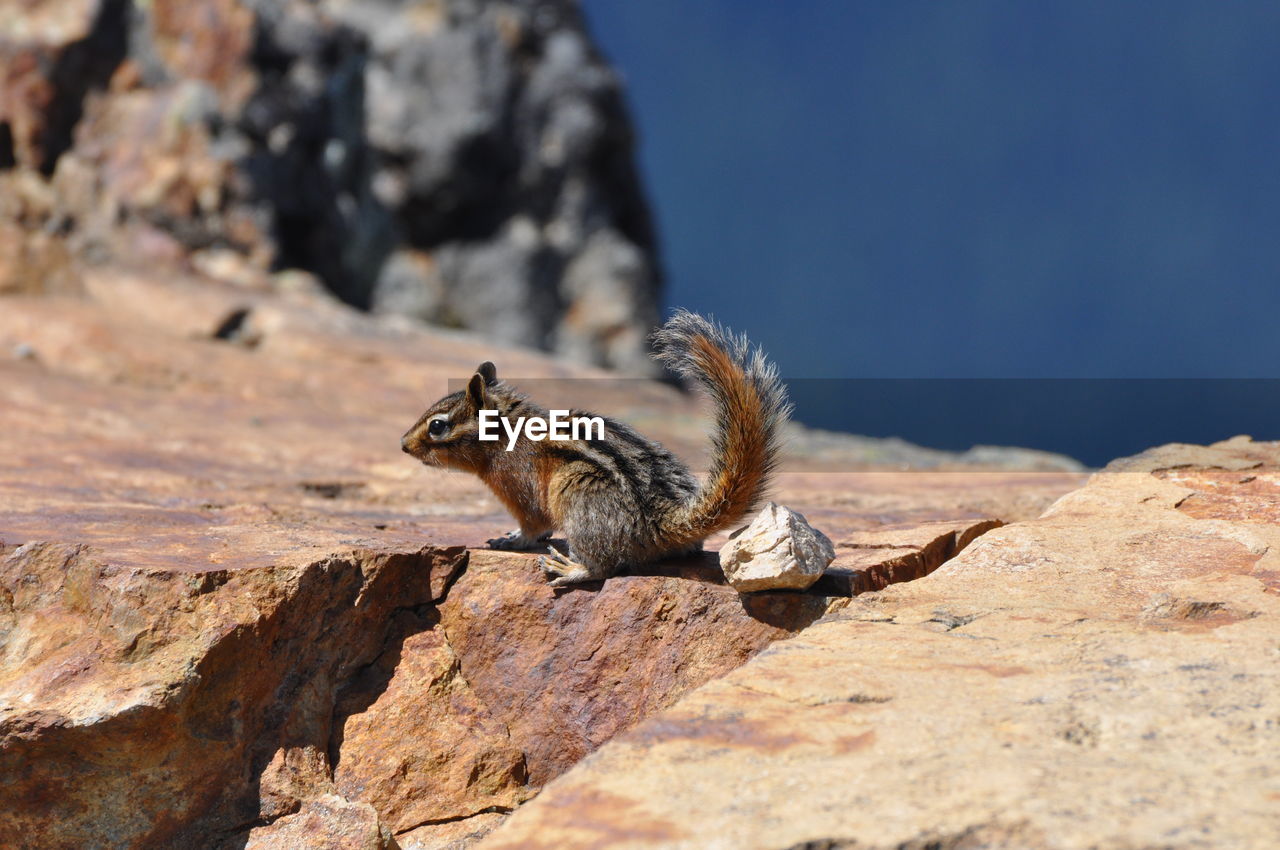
977	189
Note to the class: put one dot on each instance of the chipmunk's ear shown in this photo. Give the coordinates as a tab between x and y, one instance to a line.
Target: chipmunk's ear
475	391
489	372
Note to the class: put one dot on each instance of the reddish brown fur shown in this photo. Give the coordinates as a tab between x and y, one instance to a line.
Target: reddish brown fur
621	499
734	486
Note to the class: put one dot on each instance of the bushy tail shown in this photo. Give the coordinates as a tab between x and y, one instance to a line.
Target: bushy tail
751	406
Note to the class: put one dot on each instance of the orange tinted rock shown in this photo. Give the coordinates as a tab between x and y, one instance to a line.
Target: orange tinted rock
568	670
874	559
455	835
222	614
427	748
141	702
325	823
1099	677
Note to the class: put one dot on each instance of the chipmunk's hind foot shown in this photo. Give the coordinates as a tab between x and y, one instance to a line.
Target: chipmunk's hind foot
563	571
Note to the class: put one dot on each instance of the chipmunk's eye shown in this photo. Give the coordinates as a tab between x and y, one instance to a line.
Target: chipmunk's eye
438	427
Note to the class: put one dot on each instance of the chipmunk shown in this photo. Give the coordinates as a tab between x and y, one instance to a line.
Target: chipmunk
622	500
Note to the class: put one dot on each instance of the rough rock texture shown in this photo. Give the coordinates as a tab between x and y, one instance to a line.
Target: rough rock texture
892	553
328	822
427	747
454	835
167	705
534	654
468	162
777	550
1105	676
218	621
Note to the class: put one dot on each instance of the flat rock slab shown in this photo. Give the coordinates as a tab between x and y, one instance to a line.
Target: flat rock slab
135	429
231	610
874	559
1105	676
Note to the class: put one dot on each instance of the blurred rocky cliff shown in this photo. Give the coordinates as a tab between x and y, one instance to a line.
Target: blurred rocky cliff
467	162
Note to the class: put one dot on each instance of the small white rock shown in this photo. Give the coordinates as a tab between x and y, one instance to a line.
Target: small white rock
778	550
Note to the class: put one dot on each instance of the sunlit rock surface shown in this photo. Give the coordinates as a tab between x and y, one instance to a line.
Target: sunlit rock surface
1104	676
233	611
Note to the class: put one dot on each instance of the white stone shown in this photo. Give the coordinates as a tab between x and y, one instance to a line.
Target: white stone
778	550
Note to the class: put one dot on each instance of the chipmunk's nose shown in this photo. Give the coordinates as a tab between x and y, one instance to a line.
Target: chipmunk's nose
404	444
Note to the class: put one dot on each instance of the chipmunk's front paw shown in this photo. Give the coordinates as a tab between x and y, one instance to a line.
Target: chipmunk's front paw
563	570
516	541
